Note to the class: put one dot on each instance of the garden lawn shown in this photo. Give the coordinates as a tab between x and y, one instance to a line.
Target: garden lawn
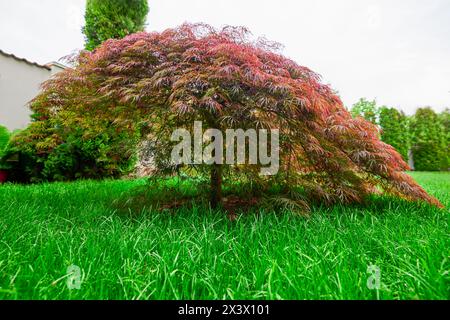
197	254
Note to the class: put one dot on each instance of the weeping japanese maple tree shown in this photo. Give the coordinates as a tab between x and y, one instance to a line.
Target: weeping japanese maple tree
220	77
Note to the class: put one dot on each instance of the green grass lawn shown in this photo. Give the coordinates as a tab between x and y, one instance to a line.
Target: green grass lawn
197	254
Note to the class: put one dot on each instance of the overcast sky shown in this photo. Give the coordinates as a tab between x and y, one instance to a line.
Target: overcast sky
394	51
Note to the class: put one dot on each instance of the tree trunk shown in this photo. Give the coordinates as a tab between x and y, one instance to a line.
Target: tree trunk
216	185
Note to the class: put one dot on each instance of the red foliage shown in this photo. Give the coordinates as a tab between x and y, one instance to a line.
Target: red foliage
195	72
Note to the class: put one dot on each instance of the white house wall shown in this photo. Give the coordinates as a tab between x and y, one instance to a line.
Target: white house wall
19	83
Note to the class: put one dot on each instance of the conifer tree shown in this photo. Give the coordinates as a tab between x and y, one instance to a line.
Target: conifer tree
428	140
394	126
113	19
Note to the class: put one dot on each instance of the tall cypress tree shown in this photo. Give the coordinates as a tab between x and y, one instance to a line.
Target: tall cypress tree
113	19
428	139
395	130
444	117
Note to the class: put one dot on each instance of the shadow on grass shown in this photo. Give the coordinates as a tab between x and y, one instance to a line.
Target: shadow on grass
174	196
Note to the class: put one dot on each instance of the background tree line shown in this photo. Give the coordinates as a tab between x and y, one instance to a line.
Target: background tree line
423	139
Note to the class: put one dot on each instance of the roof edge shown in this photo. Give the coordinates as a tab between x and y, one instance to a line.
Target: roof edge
10	55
